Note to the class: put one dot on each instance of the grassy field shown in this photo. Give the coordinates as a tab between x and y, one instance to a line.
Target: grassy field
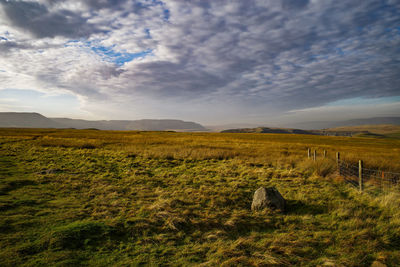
87	197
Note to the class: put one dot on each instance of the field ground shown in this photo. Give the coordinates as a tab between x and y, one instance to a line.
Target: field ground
87	197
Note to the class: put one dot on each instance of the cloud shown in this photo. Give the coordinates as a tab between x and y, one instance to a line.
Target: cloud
289	4
6	46
37	19
209	58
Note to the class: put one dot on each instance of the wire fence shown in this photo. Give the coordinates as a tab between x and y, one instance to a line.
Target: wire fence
364	178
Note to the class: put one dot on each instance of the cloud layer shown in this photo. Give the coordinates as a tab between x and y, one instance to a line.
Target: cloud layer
202	59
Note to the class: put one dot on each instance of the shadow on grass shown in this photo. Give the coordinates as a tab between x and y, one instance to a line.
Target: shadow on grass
9	186
300	208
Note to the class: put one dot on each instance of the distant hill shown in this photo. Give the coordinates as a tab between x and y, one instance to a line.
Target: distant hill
375	129
35	120
222	127
27	120
355	122
385	130
309	125
142	125
268	130
291	131
157	125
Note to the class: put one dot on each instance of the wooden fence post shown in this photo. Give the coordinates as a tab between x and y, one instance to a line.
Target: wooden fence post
338	161
324	153
315	155
360	175
309	152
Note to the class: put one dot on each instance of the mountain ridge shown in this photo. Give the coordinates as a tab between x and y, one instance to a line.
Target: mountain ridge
26	120
36	120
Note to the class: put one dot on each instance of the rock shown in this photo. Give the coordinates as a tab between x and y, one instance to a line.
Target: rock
268	197
378	264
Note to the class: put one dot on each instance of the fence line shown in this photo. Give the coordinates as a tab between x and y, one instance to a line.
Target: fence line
359	176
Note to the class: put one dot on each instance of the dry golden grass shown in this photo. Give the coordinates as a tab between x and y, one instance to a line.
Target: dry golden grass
270	148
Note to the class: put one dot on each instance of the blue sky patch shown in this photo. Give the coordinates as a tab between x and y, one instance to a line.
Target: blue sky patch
108	53
166	14
120	58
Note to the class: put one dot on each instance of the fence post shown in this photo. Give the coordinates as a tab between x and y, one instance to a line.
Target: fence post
360	175
315	155
309	152
338	161
324	153
382	180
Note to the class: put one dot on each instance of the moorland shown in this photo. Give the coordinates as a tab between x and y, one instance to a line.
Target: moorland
129	198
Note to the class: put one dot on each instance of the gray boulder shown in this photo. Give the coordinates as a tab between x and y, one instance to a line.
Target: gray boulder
268	197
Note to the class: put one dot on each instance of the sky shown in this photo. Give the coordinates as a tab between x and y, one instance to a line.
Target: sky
213	62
